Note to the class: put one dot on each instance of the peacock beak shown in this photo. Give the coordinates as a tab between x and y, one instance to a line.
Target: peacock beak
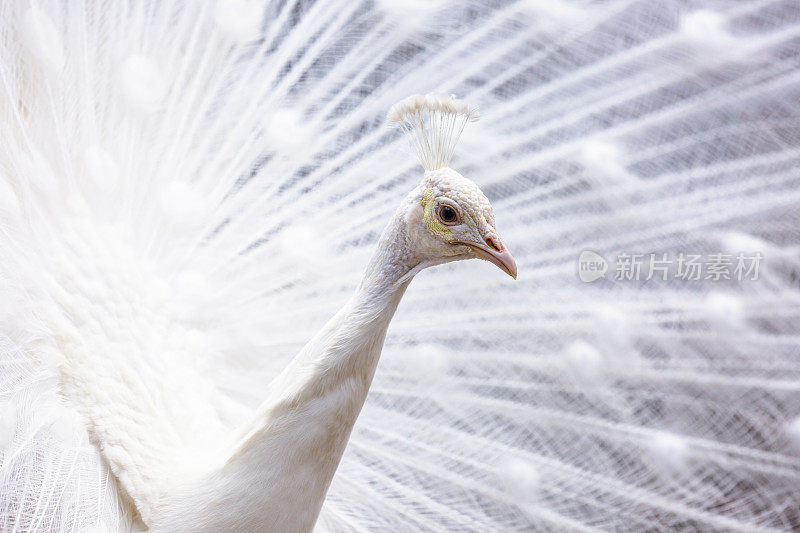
494	251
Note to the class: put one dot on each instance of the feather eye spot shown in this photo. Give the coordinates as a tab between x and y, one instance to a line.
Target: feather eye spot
142	83
41	37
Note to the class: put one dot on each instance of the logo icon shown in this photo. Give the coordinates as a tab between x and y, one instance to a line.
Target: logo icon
591	266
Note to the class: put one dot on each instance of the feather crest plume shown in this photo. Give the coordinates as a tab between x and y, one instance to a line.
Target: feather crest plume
433	124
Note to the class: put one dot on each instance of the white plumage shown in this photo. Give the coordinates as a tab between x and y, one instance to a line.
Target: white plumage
189	191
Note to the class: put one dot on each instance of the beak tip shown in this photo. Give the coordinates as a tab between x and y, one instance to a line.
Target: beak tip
513	271
498	255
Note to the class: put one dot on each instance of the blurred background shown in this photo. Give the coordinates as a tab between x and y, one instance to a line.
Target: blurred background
589	394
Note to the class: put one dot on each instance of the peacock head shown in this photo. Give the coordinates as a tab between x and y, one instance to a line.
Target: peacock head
449	218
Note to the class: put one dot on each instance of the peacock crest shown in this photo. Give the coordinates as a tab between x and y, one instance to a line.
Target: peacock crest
433	125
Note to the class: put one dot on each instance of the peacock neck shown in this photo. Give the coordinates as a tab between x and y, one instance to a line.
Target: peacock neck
387	272
278	474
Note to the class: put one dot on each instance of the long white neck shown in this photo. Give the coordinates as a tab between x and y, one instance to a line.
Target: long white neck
277	477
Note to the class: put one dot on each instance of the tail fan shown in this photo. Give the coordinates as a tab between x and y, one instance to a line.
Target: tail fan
188	191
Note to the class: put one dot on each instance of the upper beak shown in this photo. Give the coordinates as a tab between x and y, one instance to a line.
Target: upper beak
494	252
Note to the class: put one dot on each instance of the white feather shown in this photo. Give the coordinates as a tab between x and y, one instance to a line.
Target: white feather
42	39
433	125
157	159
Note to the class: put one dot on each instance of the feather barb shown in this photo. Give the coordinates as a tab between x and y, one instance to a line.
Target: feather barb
433	125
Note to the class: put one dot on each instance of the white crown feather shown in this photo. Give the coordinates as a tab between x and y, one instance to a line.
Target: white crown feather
433	124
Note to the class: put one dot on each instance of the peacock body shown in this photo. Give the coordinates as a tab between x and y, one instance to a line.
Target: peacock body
190	190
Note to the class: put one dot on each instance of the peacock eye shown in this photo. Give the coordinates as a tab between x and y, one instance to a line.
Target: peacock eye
447	214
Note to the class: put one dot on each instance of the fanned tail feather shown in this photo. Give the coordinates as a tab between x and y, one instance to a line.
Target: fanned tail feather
189	190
